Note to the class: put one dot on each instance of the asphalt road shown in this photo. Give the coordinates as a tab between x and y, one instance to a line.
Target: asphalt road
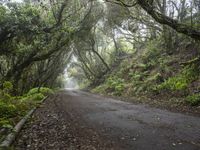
96	122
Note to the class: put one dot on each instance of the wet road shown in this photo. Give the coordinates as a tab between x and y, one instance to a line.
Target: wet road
125	125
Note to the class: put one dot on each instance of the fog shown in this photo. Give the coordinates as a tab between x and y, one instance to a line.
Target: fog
70	82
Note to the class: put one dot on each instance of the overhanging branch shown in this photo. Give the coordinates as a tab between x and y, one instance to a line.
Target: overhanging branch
147	5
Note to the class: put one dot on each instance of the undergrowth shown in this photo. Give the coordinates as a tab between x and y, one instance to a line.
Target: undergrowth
12	108
153	73
182	80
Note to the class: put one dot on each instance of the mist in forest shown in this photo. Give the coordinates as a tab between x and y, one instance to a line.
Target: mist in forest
69	81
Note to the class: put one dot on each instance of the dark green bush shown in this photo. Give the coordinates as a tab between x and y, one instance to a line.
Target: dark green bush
7	110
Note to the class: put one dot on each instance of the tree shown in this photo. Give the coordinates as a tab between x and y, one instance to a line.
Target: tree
31	34
148	6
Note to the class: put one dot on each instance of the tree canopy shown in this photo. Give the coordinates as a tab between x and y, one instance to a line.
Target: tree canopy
39	38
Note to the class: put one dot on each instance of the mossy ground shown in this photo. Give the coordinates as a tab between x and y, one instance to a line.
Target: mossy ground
13	108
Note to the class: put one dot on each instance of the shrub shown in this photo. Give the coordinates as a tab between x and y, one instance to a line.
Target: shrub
116	84
4	122
100	89
193	100
182	80
7	110
135	75
119	89
174	83
6	97
37	97
12	108
33	97
45	91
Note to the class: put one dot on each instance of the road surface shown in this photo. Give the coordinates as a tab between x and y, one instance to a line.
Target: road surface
73	119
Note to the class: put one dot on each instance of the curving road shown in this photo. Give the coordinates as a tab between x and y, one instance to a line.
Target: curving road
79	120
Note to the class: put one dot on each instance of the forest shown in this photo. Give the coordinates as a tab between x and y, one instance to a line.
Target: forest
142	51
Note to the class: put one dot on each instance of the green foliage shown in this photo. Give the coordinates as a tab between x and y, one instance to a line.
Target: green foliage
7	110
33	97
153	51
6	97
174	83
5	93
155	77
154	72
115	84
25	33
43	90
182	80
100	89
4	122
7	86
37	97
135	75
14	107
191	72
193	100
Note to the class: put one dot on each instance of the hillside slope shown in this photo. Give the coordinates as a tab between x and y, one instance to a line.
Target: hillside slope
160	79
